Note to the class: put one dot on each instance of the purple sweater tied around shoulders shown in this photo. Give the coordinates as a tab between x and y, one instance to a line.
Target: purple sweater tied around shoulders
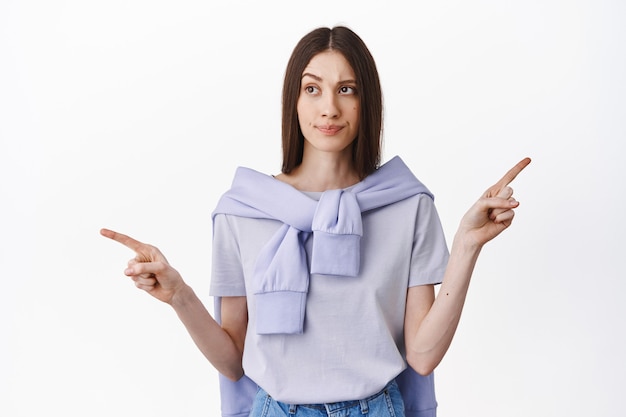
282	274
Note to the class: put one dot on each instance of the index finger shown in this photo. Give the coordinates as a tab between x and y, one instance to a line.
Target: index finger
510	175
127	241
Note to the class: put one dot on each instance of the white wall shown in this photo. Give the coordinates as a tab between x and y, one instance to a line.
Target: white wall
133	115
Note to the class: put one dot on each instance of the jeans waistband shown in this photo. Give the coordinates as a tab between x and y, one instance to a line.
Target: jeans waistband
336	406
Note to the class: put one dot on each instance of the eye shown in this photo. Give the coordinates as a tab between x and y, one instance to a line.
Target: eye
346	89
311	89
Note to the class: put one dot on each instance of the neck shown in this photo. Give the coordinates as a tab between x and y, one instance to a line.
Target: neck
321	171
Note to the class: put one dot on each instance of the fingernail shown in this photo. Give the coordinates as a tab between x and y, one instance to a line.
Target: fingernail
128	271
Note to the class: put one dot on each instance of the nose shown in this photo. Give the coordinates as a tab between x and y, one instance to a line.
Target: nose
330	106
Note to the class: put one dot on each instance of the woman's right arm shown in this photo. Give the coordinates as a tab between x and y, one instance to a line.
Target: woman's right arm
221	345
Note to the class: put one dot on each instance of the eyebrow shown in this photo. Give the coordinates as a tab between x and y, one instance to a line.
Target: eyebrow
319	79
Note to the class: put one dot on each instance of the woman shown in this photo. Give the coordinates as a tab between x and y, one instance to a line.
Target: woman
324	274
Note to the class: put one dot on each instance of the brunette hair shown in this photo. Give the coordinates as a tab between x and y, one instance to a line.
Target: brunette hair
367	145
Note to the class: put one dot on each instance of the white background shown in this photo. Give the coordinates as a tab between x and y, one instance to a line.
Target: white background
133	115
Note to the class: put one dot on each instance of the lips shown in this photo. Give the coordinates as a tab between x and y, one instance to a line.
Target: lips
329	130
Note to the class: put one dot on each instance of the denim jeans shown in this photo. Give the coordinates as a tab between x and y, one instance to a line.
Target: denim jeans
386	403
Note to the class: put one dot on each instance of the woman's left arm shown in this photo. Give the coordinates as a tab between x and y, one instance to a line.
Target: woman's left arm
430	322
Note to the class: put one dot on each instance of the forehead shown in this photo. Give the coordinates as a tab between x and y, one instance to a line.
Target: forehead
329	64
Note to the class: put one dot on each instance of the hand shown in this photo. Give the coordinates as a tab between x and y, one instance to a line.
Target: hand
149	268
493	212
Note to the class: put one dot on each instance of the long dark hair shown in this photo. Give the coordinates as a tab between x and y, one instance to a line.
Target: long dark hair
367	145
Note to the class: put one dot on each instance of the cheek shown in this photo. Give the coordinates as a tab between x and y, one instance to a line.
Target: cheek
301	110
302	119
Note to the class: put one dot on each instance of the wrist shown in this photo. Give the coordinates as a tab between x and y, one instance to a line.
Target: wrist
181	296
464	243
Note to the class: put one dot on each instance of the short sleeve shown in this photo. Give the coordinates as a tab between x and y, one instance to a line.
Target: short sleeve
430	253
227	277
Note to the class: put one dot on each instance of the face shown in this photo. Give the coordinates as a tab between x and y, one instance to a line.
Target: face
328	105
